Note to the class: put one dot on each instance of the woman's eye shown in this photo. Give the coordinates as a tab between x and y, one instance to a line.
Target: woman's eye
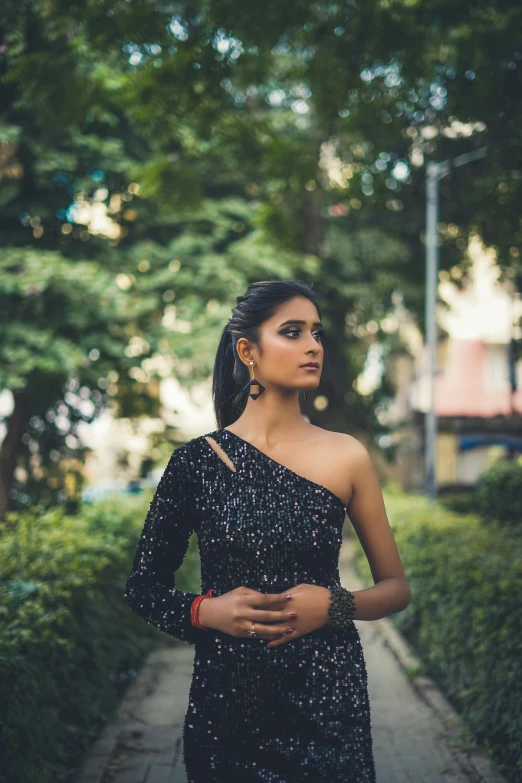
292	332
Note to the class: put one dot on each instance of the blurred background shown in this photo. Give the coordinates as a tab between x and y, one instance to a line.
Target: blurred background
157	158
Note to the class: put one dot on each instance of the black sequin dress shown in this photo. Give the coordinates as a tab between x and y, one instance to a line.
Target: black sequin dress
293	713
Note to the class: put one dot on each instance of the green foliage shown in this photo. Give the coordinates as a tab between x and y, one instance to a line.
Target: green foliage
464	616
66	325
463	502
499	493
54	312
68	644
301	119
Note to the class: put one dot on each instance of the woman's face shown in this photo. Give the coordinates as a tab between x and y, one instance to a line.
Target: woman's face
289	339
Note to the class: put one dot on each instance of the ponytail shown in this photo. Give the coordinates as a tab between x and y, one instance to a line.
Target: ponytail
226	391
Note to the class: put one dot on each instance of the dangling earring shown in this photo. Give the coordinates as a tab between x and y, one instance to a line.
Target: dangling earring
254	382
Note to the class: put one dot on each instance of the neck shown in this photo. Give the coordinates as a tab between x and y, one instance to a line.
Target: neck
271	418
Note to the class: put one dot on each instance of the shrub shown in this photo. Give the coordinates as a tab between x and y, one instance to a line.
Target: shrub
69	643
464	616
499	492
464	502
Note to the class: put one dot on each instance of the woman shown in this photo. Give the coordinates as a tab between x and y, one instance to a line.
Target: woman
279	686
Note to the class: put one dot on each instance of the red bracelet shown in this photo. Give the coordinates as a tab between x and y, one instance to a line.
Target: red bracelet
194	609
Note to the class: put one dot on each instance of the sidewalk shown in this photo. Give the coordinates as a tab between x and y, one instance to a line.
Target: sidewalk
417	735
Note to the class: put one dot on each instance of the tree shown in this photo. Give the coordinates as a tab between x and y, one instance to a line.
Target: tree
243	143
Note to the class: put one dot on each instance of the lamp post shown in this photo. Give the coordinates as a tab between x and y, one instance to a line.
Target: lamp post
434	173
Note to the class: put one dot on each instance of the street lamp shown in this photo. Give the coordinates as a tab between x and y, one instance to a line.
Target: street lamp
434	173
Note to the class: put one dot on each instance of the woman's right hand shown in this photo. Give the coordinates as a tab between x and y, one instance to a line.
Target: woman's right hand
234	612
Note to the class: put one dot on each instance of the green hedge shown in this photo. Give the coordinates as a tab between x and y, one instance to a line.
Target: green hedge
68	642
499	492
461	502
464	619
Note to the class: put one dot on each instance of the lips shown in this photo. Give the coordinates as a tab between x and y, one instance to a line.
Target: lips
311	364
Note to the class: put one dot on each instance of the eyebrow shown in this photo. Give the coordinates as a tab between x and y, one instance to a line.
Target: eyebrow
296	321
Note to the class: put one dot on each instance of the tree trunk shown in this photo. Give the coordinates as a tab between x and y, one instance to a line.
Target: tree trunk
16	426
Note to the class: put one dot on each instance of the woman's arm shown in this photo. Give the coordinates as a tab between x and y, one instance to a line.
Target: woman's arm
391	592
150	590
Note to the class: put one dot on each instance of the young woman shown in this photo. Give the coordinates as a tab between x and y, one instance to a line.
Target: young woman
279	686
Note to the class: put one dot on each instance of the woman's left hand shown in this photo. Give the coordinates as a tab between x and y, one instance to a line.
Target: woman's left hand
310	602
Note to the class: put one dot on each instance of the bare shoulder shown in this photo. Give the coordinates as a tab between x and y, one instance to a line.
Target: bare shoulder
345	462
347	448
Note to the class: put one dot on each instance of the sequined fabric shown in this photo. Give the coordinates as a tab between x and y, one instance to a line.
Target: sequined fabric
297	712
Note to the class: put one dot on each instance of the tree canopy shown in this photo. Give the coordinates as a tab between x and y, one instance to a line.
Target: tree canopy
155	158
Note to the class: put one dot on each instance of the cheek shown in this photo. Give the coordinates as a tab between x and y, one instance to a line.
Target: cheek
284	352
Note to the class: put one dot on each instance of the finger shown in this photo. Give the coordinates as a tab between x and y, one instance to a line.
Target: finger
282	638
277	602
276	641
270	600
269	618
269	631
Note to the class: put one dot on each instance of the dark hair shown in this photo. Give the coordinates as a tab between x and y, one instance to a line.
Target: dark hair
256	305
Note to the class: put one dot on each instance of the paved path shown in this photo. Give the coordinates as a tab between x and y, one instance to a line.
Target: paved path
417	735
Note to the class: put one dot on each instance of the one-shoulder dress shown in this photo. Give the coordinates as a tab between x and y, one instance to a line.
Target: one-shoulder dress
297	712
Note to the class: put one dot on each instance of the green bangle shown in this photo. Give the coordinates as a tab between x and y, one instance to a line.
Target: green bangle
341	609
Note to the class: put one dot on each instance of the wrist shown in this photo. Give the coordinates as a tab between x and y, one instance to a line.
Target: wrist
341	608
205	612
326	608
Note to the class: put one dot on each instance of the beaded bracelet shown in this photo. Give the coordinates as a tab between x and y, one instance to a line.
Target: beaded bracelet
194	609
341	608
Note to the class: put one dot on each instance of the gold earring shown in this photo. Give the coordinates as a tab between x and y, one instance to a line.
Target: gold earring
254	382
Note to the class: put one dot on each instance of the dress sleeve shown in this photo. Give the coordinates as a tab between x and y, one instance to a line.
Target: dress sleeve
150	589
